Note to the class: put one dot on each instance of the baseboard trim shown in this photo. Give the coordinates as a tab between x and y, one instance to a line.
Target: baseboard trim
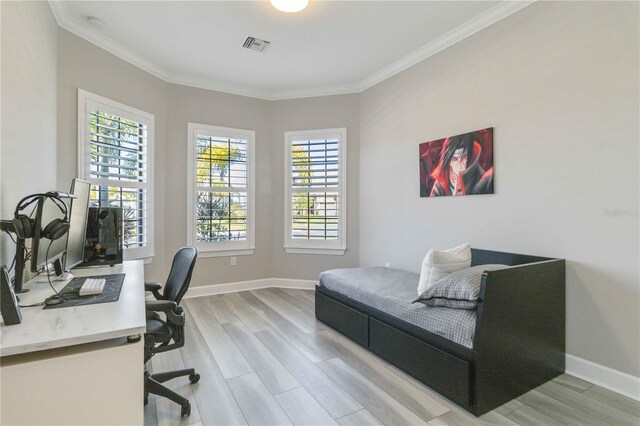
291	283
614	380
208	290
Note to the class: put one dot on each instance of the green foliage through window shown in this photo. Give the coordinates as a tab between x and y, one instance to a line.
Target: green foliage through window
221	179
314	189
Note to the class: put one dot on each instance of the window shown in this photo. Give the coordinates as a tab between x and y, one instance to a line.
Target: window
221	190
116	156
315	191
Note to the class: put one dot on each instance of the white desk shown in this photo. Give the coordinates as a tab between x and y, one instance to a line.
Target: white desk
74	365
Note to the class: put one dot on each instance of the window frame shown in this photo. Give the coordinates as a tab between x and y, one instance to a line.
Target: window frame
87	101
335	247
220	248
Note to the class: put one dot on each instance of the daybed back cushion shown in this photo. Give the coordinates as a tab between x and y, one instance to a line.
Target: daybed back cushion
392	291
439	263
459	290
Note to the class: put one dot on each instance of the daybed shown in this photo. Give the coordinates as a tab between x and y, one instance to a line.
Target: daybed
479	359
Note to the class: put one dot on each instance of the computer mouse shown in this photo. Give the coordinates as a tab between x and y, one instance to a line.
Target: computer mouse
54	300
66	276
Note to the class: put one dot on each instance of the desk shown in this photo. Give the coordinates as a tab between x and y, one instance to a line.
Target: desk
74	365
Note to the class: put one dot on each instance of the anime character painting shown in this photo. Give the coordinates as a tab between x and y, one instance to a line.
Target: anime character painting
457	165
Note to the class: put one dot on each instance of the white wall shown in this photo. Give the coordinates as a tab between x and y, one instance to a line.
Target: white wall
559	83
187	104
28	118
325	112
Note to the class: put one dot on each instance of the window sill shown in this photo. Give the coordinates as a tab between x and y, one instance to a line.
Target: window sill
146	259
228	252
326	251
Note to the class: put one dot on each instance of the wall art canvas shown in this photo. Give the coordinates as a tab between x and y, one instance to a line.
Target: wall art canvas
457	165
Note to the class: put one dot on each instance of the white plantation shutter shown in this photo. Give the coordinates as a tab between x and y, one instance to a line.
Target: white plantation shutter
314	189
315	200
118	147
221	181
116	157
220	190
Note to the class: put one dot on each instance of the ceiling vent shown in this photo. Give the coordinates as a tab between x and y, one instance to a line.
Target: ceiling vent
255	44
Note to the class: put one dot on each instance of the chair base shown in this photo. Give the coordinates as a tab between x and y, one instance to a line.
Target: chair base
153	385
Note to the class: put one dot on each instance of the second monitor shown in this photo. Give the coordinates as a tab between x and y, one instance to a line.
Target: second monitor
103	241
78	222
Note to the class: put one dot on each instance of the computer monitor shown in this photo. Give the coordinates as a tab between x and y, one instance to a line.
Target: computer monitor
103	242
43	250
78	222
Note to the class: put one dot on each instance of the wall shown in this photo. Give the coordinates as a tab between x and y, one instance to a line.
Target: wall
28	82
269	120
82	65
559	83
310	114
187	104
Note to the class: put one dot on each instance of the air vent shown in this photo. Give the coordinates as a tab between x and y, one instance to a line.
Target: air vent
255	44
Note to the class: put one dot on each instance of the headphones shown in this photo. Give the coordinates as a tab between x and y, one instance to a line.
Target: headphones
25	226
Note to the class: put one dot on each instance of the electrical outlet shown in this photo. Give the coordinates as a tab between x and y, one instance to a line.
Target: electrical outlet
234	261
387	265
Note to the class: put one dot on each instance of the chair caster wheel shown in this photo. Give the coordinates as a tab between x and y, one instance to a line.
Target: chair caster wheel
186	410
194	378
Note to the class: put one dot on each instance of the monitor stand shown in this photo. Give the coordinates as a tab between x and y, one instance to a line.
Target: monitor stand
20	249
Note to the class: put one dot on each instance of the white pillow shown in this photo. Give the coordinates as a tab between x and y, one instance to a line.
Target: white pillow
438	264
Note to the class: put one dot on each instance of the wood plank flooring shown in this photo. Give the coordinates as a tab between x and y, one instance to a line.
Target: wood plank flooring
265	360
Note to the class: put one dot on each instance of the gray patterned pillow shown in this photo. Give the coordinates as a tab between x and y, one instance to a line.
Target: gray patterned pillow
459	290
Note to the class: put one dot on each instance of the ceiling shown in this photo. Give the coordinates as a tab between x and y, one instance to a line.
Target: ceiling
330	47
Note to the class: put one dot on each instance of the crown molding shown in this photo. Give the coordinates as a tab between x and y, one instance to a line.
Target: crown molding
203	83
469	28
58	8
59	11
489	17
343	89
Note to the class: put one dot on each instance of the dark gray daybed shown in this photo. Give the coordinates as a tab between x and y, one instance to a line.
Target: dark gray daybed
480	359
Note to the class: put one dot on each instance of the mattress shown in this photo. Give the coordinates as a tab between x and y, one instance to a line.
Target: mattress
392	291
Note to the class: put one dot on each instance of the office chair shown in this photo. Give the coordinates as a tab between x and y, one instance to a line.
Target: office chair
165	326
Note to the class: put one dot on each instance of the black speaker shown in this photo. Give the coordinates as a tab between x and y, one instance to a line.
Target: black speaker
8	302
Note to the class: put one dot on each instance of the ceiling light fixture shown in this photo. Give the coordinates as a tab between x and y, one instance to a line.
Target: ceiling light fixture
289	6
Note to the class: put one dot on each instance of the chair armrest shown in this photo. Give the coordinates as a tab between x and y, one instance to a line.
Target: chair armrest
154	288
174	313
160	305
150	286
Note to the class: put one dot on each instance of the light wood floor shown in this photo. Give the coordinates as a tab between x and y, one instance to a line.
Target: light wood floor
264	359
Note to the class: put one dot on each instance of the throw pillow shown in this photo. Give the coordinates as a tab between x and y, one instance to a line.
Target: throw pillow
459	290
439	263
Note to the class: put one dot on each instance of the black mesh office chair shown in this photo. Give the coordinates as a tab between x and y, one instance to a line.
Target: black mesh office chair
165	326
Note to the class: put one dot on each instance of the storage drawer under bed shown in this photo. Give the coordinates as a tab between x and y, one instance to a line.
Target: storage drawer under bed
439	370
348	321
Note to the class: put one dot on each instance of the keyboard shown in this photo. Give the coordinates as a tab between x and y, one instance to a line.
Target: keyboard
92	286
